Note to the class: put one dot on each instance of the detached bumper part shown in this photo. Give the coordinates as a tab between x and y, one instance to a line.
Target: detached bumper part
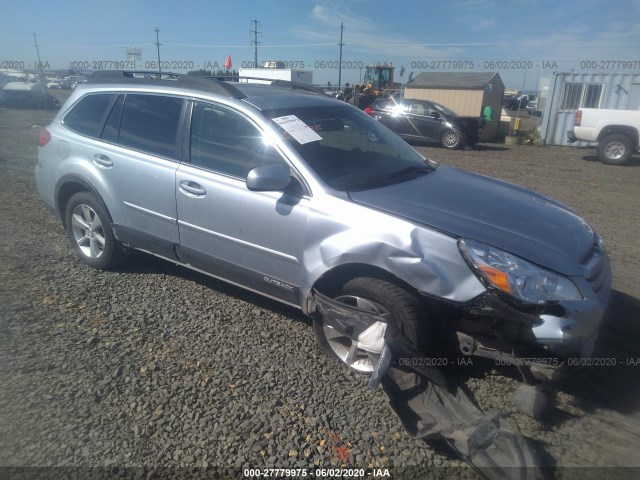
419	395
488	442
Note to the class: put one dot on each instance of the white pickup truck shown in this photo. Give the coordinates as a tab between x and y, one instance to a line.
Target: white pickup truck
616	132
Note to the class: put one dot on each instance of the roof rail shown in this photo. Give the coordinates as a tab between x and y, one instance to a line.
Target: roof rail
141	77
114	75
305	87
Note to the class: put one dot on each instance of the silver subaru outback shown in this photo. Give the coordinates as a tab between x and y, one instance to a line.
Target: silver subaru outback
307	200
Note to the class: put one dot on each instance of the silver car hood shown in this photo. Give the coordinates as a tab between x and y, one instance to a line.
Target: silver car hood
465	204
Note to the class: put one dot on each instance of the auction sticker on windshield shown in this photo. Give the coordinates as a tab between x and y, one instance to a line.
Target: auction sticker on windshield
297	129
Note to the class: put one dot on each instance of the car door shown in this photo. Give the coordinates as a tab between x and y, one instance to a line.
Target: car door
138	155
254	239
395	117
424	121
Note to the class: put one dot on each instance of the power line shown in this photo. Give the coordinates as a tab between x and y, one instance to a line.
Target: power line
254	42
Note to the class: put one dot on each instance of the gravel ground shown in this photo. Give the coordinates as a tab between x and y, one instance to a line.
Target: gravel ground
153	365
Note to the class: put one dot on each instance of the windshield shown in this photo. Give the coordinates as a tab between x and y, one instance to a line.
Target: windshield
347	148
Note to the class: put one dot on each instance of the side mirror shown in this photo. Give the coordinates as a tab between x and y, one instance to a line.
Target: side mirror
434	114
269	178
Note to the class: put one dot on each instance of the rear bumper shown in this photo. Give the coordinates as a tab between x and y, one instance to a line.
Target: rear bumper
41	191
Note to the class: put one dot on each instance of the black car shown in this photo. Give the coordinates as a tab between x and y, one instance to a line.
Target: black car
26	95
427	121
517	102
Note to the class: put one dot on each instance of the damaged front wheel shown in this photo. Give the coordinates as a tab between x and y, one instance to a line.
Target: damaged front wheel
378	297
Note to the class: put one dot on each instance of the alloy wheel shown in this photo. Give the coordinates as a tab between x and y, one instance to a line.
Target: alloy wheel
451	139
344	346
88	231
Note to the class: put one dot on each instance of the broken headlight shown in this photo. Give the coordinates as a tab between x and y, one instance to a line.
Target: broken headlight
516	276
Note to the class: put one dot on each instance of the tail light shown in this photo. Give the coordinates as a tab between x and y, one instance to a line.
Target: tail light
578	118
368	110
45	137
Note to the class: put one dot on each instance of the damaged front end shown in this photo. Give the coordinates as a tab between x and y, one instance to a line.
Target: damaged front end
562	313
494	328
418	393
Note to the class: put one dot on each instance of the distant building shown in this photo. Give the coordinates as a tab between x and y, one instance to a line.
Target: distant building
134	58
266	75
569	92
274	64
466	93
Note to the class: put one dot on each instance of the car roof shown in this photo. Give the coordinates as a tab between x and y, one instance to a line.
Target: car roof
276	95
279	95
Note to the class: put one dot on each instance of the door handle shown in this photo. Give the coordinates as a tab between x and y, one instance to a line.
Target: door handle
102	161
192	189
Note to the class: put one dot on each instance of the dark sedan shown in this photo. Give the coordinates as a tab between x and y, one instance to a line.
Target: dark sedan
26	95
427	121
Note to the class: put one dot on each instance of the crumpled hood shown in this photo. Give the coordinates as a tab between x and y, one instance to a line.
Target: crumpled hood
497	213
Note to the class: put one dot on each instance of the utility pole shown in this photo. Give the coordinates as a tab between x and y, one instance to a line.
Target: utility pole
35	39
157	44
44	93
340	63
254	42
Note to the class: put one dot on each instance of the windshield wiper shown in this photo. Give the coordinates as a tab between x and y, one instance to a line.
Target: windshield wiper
384	179
408	171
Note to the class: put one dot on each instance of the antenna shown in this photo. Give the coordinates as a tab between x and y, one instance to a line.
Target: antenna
254	42
157	44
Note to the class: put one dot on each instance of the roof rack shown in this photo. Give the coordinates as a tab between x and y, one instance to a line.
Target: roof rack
142	77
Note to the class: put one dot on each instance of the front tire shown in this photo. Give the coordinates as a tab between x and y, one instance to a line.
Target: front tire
451	139
378	297
614	149
90	231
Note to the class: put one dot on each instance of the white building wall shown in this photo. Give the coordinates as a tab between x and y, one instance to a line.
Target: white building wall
621	91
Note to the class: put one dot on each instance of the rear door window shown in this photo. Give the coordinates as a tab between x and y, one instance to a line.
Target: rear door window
150	123
87	115
112	126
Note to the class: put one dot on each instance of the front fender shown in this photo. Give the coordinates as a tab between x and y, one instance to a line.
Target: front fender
424	258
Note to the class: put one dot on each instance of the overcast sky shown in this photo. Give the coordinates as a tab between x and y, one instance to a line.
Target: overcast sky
523	40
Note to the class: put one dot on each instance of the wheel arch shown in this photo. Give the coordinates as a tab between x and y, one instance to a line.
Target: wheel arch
66	188
332	280
625	130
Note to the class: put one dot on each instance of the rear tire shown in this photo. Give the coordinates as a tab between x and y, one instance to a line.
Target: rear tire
615	149
90	231
377	296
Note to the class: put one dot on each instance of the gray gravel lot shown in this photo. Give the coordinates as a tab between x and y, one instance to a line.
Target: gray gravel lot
154	365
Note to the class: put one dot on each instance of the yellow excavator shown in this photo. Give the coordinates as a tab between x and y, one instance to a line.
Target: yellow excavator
377	83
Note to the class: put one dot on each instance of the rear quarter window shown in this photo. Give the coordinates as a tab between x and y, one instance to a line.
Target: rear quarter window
86	116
